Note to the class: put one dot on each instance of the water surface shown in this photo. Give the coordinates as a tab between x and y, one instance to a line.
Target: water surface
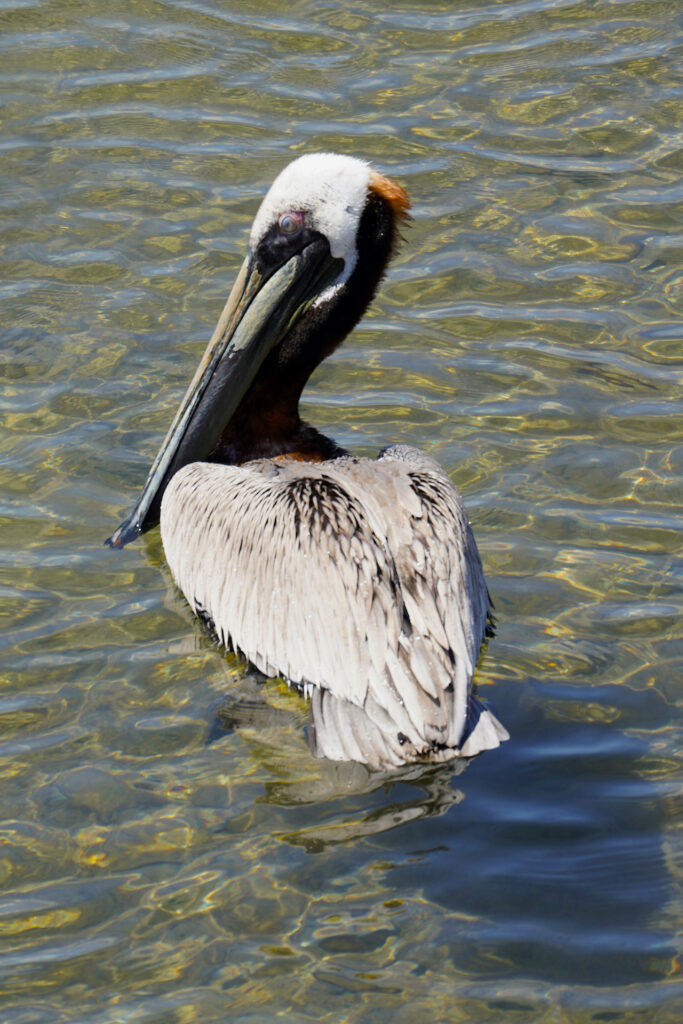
169	849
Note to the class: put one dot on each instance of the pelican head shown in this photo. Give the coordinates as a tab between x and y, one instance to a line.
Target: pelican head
318	248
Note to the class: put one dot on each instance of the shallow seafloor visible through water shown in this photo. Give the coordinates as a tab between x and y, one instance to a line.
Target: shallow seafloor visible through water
170	852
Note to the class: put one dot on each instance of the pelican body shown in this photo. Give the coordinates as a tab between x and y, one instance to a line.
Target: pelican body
357	581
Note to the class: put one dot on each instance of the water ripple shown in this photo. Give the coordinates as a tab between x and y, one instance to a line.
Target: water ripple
169	848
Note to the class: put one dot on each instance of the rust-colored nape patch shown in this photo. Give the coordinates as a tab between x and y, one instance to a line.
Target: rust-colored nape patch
397	200
393	194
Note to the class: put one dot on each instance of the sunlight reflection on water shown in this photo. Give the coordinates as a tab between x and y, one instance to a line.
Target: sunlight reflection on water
170	850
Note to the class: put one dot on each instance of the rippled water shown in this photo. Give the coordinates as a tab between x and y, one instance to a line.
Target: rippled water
169	849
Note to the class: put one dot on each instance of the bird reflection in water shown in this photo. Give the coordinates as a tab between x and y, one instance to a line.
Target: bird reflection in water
429	791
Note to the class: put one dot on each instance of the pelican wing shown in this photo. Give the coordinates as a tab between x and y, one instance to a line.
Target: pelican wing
440	570
446	601
284	562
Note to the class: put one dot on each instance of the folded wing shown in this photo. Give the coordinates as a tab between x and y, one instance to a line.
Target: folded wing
360	578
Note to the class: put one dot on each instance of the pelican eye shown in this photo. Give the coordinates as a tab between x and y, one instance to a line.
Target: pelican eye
290	223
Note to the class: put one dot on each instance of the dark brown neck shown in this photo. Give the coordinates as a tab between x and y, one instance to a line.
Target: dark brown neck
267	421
267	424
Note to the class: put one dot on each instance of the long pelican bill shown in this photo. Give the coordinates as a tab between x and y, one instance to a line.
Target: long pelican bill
263	305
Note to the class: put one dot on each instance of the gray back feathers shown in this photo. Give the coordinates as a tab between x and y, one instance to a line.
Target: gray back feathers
361	578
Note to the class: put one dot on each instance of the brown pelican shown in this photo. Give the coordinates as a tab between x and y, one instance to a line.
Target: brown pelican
357	581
